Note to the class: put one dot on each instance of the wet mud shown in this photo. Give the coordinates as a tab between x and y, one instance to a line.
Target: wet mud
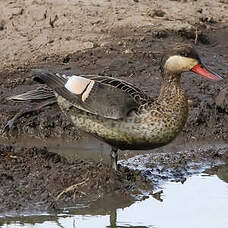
35	177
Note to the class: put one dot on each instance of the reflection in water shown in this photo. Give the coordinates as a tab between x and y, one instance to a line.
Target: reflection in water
202	201
88	147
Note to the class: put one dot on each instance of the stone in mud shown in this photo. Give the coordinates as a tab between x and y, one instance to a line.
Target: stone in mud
2	25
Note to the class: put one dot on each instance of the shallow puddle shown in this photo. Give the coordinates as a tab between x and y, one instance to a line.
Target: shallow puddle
88	147
201	201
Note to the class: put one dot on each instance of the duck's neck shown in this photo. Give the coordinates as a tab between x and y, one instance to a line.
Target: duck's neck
170	87
172	98
172	101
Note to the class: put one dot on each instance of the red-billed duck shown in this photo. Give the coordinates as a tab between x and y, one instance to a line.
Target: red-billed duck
118	112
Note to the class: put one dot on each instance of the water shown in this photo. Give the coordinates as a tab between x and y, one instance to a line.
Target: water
201	201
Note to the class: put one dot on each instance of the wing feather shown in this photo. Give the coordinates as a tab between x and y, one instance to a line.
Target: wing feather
103	96
138	95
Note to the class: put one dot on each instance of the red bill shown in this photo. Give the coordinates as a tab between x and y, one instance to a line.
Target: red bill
203	71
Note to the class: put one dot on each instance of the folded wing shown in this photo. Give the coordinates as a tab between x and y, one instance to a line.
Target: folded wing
100	95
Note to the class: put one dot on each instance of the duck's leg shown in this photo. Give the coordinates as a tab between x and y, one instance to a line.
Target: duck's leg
26	110
114	157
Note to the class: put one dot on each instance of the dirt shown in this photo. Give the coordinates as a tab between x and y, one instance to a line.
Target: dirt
127	42
35	179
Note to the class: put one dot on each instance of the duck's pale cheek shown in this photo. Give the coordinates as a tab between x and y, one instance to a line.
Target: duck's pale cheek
178	63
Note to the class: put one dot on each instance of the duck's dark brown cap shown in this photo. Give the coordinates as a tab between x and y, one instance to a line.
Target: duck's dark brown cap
185	50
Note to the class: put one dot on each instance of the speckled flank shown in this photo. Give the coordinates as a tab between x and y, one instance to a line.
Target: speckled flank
154	125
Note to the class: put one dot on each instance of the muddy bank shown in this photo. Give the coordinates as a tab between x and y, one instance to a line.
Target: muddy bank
134	58
35	180
32	30
32	178
121	46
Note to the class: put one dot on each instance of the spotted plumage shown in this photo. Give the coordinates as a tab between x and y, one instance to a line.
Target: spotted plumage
120	113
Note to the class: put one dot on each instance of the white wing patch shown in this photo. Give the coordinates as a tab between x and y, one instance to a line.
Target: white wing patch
80	86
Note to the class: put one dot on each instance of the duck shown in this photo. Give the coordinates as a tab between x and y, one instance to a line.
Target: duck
119	113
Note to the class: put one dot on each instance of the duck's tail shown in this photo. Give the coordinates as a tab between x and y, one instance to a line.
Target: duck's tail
49	81
40	98
36	95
